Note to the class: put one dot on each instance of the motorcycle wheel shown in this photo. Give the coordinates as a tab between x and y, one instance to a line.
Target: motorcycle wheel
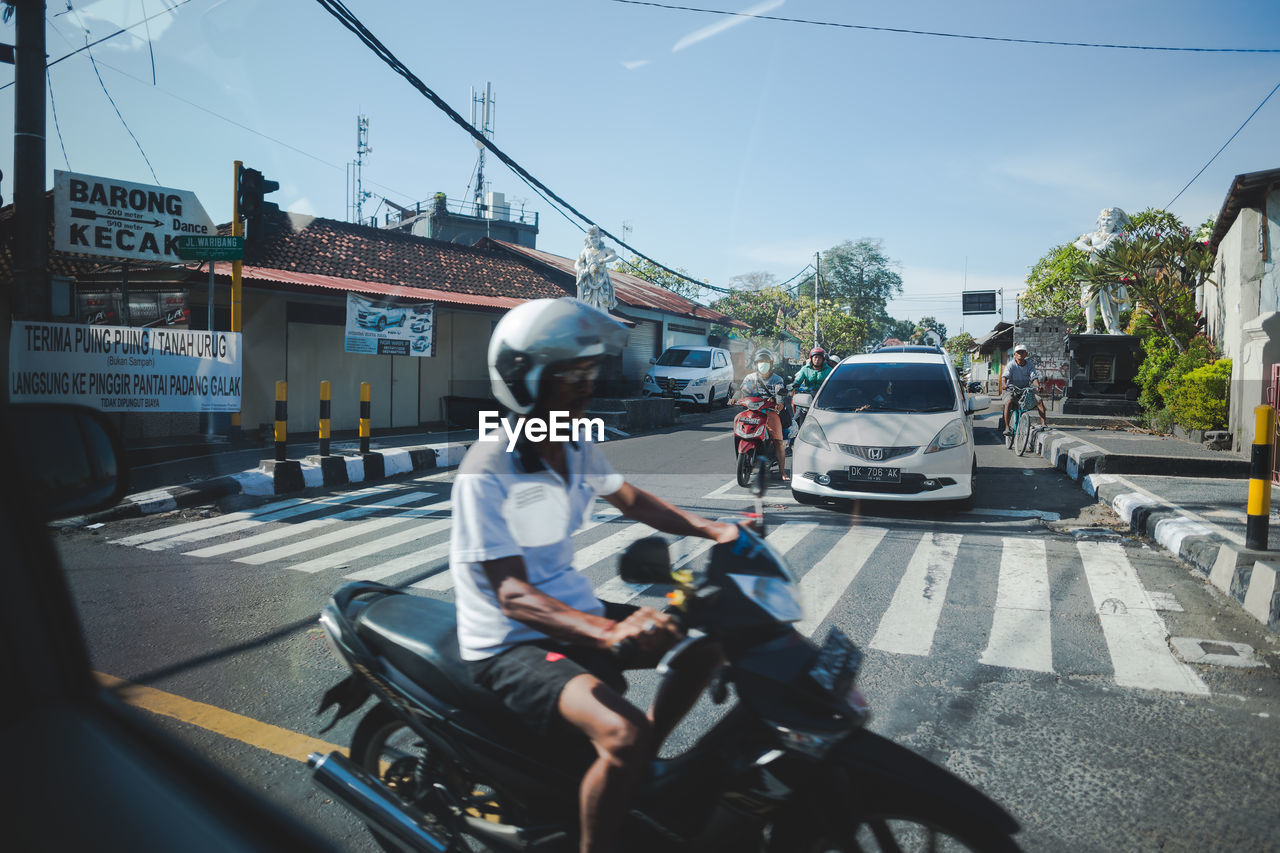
385	747
746	467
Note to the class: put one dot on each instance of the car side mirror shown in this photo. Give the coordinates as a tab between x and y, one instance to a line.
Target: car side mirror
976	403
653	361
74	455
646	561
803	400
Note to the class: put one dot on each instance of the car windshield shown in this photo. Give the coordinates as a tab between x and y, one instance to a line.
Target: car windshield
685	358
885	387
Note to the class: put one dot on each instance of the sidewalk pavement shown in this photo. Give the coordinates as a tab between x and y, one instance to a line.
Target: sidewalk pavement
1187	498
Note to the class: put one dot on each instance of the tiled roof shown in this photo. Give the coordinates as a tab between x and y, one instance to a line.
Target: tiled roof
326	247
631	290
330	282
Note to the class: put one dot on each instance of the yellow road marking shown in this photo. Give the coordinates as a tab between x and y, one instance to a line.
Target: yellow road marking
210	718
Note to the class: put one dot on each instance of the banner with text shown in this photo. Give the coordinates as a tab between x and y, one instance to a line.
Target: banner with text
124	369
387	327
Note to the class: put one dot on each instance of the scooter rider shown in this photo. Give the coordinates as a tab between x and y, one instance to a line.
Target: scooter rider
765	383
813	374
529	625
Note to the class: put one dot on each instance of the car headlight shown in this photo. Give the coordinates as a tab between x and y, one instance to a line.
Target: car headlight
811	433
695	383
951	435
648	377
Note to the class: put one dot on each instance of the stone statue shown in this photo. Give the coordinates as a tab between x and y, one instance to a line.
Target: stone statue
1111	299
592	267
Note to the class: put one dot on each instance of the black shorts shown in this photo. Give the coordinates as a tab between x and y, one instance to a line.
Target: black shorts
528	678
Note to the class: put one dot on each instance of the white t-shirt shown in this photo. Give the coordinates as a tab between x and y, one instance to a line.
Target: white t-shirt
502	510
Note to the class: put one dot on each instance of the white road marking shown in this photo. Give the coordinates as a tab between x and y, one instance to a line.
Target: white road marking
909	624
824	584
201	523
257	520
343	534
732	484
719	436
1134	631
306	527
1020	637
384	543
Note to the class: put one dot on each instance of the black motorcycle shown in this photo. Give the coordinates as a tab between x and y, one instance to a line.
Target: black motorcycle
440	765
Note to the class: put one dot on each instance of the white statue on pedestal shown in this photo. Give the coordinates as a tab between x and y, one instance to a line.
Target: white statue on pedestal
1113	299
592	267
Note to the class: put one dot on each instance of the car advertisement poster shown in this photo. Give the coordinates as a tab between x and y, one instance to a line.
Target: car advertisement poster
125	368
390	327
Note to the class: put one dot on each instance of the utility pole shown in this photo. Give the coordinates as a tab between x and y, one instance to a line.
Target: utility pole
30	298
31	232
481	120
817	277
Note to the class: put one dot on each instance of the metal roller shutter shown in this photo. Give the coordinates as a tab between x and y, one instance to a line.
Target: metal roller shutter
641	346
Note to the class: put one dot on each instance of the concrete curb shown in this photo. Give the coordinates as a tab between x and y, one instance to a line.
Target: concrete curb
1248	577
293	475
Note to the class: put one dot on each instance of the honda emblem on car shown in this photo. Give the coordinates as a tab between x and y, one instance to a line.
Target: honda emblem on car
875	454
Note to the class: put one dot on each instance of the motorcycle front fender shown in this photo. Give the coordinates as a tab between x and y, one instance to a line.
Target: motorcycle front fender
745	444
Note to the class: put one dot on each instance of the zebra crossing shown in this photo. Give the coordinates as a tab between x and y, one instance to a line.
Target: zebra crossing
400	535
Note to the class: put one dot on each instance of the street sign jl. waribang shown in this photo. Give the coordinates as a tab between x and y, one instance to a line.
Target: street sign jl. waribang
214	247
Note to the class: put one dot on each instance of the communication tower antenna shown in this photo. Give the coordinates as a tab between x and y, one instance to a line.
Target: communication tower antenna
482	113
356	196
626	230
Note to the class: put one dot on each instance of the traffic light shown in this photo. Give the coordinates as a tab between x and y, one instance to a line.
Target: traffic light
259	215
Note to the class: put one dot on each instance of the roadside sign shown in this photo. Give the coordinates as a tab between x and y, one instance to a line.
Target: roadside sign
978	302
215	247
123	220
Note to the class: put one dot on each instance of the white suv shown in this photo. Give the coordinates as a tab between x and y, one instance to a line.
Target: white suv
699	374
890	425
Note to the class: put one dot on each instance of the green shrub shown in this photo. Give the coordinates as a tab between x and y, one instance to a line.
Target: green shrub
1199	399
1160	420
1160	356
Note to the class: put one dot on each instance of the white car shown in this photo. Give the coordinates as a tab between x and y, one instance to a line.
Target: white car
891	426
699	374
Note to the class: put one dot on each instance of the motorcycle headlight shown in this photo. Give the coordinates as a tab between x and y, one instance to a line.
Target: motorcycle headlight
951	435
811	433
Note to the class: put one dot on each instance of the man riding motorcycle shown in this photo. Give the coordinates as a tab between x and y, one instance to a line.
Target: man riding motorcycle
529	625
765	383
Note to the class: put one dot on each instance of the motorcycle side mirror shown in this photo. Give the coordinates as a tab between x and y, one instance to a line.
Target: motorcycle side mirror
646	561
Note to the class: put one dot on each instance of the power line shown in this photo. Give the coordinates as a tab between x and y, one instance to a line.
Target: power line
88	44
117	109
1223	148
351	22
966	36
56	126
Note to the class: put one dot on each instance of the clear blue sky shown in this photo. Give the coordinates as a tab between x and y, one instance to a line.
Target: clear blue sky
727	149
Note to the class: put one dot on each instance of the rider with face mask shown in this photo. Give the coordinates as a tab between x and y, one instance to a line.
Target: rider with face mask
765	383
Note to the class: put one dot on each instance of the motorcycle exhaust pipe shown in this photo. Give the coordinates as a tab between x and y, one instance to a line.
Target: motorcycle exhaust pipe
373	802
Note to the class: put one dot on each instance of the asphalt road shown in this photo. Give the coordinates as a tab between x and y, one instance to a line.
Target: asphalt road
1028	645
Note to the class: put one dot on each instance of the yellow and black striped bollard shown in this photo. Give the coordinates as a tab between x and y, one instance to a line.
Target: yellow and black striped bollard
282	419
1258	524
365	409
324	418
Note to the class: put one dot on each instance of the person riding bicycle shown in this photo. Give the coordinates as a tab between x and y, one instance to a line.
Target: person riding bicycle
1019	374
530	627
765	383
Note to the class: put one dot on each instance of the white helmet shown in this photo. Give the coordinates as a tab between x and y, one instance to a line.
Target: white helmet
541	333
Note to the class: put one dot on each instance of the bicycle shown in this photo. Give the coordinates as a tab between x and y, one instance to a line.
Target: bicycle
1020	433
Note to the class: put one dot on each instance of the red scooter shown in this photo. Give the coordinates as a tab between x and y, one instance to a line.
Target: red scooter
753	442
